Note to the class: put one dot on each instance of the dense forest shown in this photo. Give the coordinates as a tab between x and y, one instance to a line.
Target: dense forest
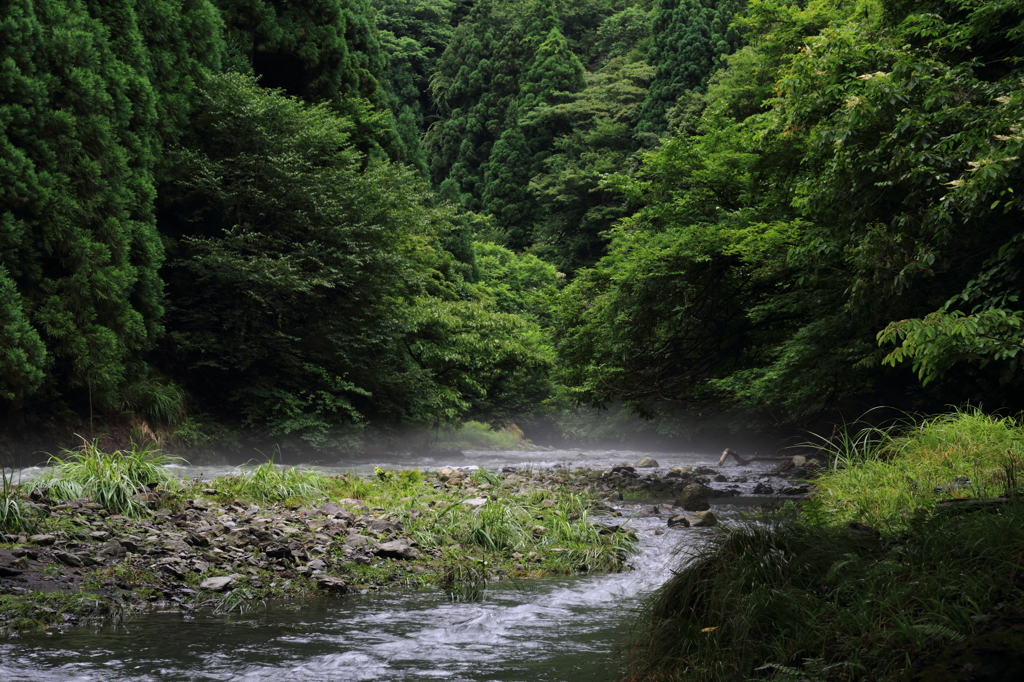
314	220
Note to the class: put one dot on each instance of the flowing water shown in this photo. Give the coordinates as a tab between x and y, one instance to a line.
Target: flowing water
545	630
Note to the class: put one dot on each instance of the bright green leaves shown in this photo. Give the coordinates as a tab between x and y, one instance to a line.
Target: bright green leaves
941	339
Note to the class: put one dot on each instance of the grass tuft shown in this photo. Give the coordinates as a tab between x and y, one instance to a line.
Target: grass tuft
109	479
13	515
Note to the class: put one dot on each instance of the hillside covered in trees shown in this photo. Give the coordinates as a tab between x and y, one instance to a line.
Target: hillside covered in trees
308	221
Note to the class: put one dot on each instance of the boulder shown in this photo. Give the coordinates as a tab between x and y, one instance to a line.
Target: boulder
703	518
218	584
693	498
646	463
678	521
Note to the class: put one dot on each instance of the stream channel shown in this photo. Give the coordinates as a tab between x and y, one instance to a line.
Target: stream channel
550	630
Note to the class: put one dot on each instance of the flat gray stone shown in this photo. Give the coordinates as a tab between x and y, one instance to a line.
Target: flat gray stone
475	502
218	584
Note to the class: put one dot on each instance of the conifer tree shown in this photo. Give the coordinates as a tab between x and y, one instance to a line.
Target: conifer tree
319	51
689	38
505	195
78	140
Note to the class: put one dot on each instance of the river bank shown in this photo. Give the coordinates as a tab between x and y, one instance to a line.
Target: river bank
236	541
904	563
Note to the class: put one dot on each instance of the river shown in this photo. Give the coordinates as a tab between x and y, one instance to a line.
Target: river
540	631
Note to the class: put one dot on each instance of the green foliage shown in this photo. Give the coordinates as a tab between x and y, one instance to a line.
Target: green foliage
109	479
824	186
689	37
520	284
268	483
160	402
14	518
815	599
79	249
478	436
903	472
575	207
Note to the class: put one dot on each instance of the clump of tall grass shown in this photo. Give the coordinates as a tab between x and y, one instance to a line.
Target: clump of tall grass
13	515
269	483
110	479
884	477
766	601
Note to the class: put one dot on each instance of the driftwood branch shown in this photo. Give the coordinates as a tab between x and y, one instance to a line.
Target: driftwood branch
747	460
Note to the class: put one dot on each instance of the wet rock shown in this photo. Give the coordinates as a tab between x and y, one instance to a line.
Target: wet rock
357	541
397	549
704	471
795	490
218	584
448	473
763	489
646	463
19	564
111	549
678	521
693	498
9	571
330	509
332	584
277	551
42	540
649	510
383	525
614	497
702	519
68	559
197	540
720	478
237	538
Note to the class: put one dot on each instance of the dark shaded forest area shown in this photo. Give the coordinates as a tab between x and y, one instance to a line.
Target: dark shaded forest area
321	221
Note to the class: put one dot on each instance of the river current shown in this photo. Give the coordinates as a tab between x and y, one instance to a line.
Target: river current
562	630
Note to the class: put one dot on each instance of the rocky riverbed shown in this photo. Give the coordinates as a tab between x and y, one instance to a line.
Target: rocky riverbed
198	549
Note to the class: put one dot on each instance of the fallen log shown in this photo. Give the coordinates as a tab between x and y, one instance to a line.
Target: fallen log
748	460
